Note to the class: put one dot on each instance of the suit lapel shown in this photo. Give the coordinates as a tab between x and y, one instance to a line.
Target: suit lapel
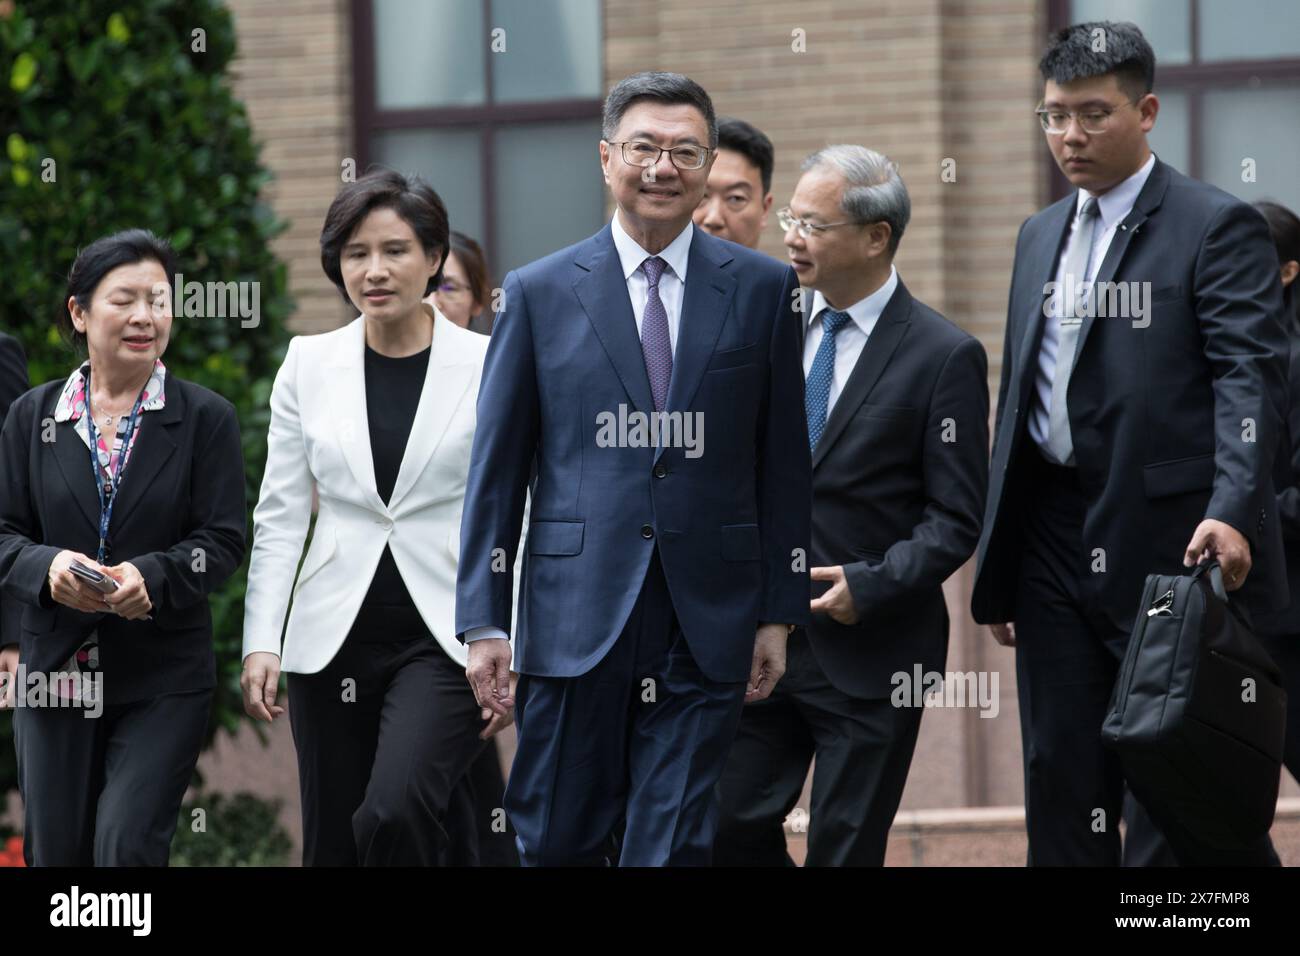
1040	269
154	447
1149	199
349	423
73	459
705	303
450	371
602	291
880	347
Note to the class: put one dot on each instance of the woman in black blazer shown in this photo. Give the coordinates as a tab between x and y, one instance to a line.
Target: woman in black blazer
160	510
13	382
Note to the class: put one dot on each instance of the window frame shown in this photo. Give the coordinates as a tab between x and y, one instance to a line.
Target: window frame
485	118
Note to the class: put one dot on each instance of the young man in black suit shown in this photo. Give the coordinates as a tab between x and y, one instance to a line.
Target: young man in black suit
897	405
1135	433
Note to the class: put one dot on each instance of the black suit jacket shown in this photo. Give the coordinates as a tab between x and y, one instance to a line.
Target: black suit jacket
13	382
1286	480
1159	415
180	519
899	478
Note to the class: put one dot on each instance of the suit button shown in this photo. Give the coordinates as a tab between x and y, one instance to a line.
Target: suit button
661	471
386	524
647	532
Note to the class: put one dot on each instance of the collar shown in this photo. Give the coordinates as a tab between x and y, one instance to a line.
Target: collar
1115	205
631	255
865	312
72	400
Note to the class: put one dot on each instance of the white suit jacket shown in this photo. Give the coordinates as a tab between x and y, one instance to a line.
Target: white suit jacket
319	436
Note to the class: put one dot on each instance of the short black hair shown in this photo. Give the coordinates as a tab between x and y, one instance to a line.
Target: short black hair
752	143
410	197
663	88
1085	50
1284	227
101	257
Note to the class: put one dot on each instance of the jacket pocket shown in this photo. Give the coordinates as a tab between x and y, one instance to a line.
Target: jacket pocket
555	537
730	358
1177	477
740	542
891	412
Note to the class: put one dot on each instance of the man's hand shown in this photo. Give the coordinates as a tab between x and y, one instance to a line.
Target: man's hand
837	602
8	674
69	590
769	661
1004	634
260	681
498	722
131	599
488	672
1216	539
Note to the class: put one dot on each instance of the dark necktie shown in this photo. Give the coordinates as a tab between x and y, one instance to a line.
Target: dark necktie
817	389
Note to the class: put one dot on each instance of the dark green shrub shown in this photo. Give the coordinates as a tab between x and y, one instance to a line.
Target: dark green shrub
238	830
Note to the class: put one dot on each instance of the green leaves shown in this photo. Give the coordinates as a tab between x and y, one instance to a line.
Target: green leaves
23	72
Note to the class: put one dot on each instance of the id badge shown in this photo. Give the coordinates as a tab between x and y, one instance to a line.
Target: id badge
79	670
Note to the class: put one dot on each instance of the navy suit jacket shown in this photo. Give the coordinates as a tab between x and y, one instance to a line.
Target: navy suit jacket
731	523
1173	422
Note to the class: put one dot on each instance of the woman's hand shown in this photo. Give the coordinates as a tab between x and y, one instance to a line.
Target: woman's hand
8	672
131	599
69	590
260	681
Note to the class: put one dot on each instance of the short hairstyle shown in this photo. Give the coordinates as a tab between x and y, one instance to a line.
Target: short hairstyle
752	143
662	88
1073	54
410	197
873	192
1284	227
472	260
101	257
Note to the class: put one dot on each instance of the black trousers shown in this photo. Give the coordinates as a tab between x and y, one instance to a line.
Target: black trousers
1067	660
1286	651
863	749
106	790
477	825
384	733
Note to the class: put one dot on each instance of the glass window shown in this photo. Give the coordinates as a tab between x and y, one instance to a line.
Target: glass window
544	199
426	54
546	57
1170	137
448	160
1256	134
1167	24
1248	29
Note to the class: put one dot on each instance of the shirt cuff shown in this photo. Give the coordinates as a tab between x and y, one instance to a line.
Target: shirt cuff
485	633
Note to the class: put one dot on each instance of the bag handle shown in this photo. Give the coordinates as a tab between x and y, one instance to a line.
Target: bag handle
1215	572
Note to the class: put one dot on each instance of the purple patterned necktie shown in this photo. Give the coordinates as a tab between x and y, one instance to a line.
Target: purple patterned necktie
656	346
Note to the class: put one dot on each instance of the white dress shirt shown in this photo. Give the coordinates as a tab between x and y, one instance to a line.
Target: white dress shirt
1112	209
851	339
672	284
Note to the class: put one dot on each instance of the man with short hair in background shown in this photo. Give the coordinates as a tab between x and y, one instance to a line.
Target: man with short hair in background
739	192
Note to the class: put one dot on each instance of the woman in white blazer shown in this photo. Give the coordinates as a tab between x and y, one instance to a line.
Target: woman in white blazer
378	418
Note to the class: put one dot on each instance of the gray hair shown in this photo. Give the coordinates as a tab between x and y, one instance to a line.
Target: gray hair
874	191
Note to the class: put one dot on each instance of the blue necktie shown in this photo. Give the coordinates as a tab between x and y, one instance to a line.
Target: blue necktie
817	390
656	345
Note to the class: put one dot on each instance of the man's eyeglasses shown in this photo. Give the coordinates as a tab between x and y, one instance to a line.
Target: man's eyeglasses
640	153
448	287
808	229
1092	120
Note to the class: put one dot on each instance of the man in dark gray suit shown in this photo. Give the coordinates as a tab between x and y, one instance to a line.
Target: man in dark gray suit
1143	387
13	382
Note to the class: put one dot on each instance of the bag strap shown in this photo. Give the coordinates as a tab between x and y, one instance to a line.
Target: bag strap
1212	568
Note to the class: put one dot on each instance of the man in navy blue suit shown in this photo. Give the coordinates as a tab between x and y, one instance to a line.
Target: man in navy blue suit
651	375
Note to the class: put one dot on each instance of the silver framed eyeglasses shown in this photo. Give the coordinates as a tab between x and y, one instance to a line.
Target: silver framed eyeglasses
1093	120
808	229
637	152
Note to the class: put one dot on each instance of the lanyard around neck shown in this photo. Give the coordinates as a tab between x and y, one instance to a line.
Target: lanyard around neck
109	498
